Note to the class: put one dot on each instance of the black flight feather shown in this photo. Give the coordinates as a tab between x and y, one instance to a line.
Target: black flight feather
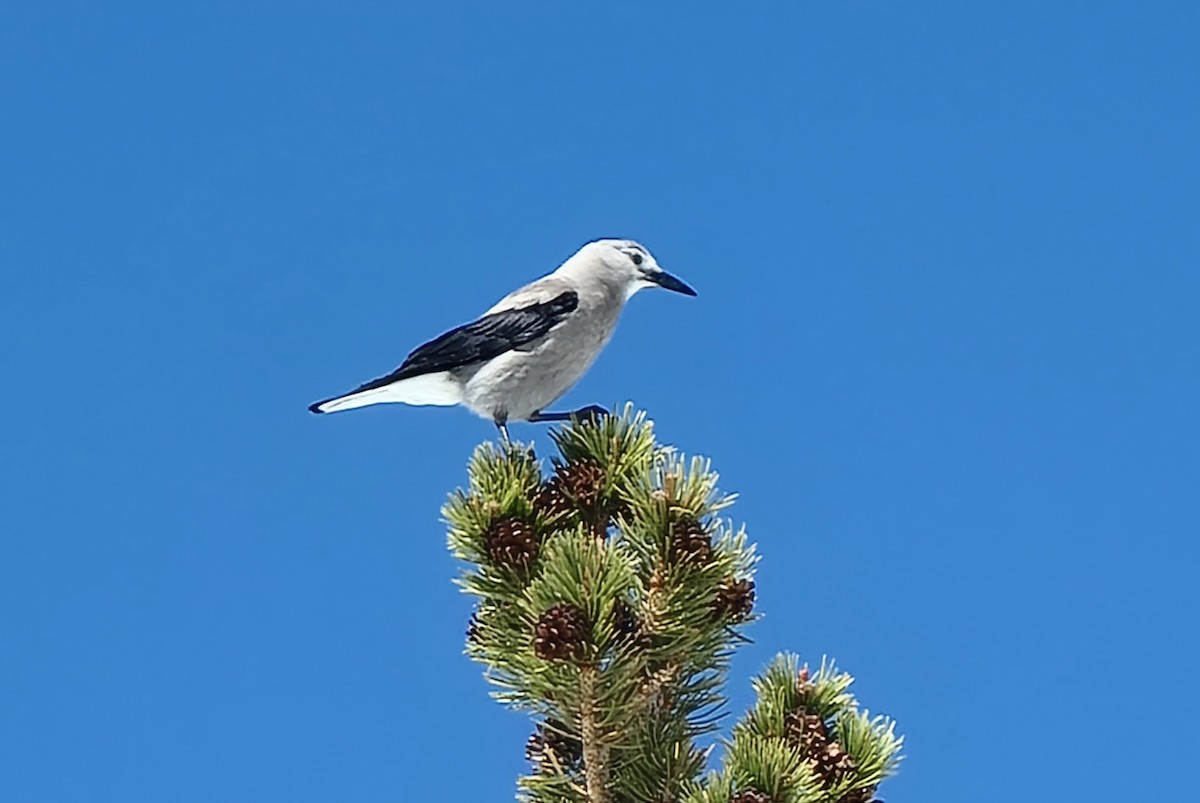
478	341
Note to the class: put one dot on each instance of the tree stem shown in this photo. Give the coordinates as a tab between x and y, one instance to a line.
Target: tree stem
595	754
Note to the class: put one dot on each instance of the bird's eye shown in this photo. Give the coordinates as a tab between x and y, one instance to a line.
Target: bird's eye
636	257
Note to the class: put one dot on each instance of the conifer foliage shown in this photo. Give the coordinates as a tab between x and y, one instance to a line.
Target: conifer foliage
610	597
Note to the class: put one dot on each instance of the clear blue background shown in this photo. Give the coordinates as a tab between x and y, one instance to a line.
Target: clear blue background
945	347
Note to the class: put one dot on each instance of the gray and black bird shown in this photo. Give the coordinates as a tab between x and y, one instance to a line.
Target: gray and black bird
527	350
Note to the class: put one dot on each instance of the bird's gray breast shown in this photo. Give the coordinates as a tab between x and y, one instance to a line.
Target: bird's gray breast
521	382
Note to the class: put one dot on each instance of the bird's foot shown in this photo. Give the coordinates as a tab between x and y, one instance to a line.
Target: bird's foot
594	413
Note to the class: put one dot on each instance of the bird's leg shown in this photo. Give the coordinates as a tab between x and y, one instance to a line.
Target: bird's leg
593	412
501	422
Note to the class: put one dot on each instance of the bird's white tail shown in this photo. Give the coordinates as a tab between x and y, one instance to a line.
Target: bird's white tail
439	389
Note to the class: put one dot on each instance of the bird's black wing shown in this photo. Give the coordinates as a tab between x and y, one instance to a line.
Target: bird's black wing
481	340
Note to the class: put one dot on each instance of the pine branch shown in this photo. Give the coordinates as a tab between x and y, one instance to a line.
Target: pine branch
595	752
611	596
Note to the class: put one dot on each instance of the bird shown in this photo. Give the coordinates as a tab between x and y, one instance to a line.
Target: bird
530	348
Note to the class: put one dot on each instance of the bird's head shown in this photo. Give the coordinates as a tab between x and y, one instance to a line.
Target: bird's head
627	265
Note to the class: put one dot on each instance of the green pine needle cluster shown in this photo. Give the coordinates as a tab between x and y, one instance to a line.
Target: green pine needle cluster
805	741
611	594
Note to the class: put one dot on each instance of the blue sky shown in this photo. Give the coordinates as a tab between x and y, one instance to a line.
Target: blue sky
945	348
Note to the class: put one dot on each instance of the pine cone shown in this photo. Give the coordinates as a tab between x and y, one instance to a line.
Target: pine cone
832	764
621	509
582	481
751	796
808	731
625	621
512	544
860	796
735	600
550	501
561	633
553	744
690	542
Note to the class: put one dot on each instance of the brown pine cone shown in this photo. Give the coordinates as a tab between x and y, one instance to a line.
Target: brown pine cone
735	600
561	633
512	543
582	481
832	764
625	621
808	731
550	501
689	542
550	744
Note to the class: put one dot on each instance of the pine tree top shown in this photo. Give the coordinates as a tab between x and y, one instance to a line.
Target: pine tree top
611	593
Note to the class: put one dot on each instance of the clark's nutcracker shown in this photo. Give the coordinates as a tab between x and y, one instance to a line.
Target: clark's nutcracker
530	348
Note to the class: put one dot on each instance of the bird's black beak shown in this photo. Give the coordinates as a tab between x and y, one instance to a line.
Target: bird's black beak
669	282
